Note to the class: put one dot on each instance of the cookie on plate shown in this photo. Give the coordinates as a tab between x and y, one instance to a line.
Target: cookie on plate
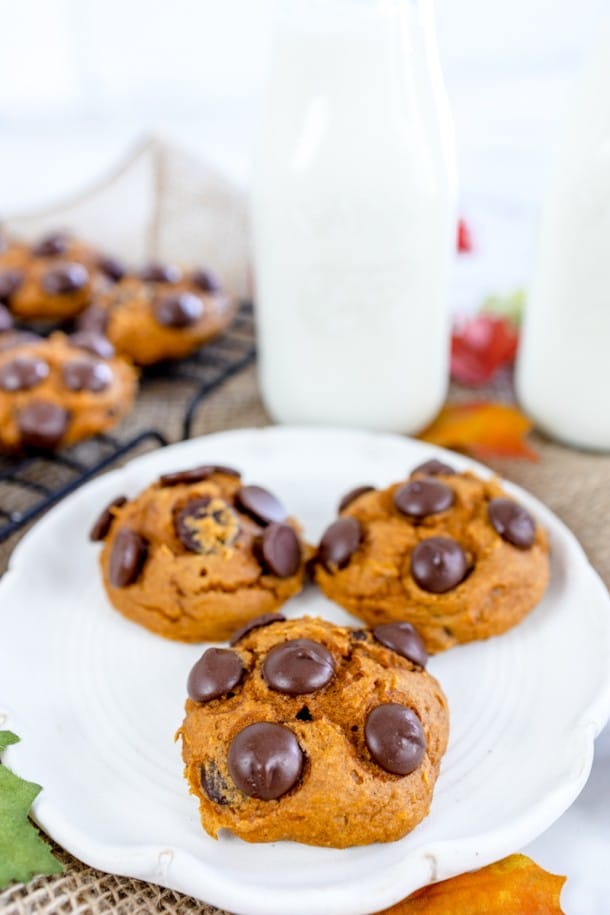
54	278
312	732
57	391
449	551
199	553
163	313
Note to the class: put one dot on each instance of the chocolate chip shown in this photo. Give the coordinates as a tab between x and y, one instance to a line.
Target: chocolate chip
102	526
65	279
51	245
434	468
421	498
112	268
359	635
6	319
260	504
196	474
512	522
10	281
179	309
42	424
213	783
352	495
304	714
205	281
404	639
161	273
339	543
265	760
298	666
23	373
265	619
94	320
207	525
395	738
127	558
216	672
86	375
438	564
92	342
280	550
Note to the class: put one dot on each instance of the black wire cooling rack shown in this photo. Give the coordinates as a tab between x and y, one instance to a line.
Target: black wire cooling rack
31	485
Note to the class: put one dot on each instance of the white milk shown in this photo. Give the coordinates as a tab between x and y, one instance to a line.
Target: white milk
563	371
354	217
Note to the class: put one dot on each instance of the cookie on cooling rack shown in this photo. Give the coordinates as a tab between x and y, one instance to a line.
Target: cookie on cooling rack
198	553
53	279
449	551
312	732
163	313
57	391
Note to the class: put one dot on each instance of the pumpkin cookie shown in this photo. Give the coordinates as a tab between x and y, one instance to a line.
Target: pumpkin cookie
161	314
312	732
57	391
54	278
449	551
199	553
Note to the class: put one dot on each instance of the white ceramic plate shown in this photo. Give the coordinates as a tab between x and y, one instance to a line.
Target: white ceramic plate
96	700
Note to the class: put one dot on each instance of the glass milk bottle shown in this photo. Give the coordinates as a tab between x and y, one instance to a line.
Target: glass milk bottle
354	217
563	370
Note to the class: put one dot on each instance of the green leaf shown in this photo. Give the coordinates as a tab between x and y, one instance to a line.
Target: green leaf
509	306
23	852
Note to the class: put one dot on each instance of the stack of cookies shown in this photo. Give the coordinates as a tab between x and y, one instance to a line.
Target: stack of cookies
300	729
120	319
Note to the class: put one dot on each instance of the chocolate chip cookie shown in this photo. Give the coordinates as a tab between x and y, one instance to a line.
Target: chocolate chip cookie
199	553
54	278
57	391
163	313
316	733
449	551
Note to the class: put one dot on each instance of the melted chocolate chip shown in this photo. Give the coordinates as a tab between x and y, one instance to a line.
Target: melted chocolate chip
102	526
352	495
65	279
207	525
298	666
434	468
265	619
86	375
94	320
10	281
421	498
196	474
213	783
23	373
404	639
128	555
216	672
512	522
260	504
161	273
51	245
395	738
112	268
6	319
438	564
280	550
304	714
42	425
265	760
339	543
205	281
178	309
92	342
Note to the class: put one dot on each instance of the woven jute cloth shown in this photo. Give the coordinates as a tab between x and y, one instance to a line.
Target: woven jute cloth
574	484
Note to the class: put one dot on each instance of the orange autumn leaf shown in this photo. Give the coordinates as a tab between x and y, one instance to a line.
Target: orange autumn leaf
483	428
513	886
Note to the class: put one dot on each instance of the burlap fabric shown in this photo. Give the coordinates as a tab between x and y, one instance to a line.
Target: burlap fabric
575	485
